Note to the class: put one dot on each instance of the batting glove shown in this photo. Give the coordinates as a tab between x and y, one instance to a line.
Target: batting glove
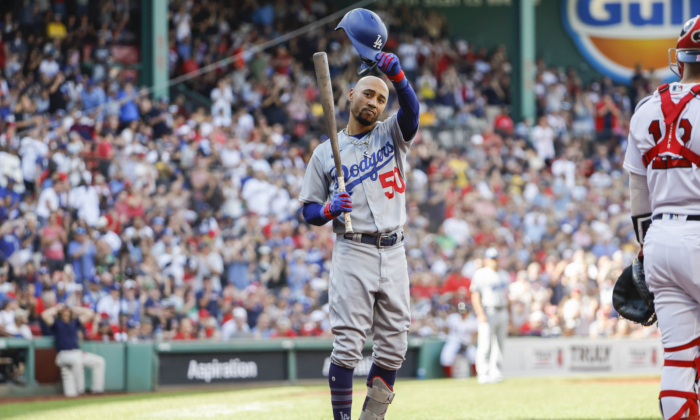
389	65
340	203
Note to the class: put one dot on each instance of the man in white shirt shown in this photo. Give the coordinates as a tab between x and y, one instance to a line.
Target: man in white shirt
110	304
108	236
49	201
209	264
236	327
542	137
49	67
457	228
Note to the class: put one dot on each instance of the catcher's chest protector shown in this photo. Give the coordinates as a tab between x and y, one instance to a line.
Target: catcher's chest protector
670	143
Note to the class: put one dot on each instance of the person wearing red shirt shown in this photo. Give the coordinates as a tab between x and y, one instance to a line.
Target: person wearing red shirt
454	283
425	287
283	329
186	330
503	123
607	117
315	327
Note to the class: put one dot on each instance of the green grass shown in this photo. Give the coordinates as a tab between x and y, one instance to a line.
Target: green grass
531	398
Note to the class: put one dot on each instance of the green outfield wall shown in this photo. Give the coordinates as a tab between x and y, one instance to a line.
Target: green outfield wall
138	367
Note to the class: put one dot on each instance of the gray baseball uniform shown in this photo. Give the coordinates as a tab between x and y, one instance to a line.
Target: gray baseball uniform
494	298
369	288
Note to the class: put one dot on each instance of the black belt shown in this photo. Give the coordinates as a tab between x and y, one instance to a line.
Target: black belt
691	217
381	241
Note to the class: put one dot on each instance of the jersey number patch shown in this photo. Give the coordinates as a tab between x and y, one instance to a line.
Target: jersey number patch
392	179
668	162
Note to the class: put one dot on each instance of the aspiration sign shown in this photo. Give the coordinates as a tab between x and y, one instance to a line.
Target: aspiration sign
615	35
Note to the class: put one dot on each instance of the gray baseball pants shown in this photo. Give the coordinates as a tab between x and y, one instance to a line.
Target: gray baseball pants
369	294
489	350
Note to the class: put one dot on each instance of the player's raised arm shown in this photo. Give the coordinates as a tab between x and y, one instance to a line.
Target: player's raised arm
408	101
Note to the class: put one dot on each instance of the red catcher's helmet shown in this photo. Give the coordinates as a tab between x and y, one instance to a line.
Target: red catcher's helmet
688	47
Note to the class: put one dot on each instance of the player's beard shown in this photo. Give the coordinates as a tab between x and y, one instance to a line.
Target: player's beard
364	121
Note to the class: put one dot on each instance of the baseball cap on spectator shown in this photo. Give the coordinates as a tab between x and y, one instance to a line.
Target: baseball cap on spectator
95	279
264	250
129	284
317	316
102	222
80	231
240	312
21	314
114	287
43	270
132	324
203	313
491	253
158	220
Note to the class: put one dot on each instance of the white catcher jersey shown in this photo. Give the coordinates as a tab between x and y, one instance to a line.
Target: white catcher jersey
674	182
375	179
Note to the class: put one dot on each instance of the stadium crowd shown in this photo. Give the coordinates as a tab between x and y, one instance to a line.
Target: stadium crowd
176	221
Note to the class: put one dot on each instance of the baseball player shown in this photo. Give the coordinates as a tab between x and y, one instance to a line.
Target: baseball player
369	288
461	326
663	156
490	301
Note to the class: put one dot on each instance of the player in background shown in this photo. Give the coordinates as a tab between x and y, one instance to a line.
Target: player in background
368	284
461	331
662	158
490	301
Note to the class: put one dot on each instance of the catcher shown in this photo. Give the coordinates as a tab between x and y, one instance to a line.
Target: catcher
663	156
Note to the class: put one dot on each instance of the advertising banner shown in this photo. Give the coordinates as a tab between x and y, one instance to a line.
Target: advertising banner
228	367
616	35
314	364
546	357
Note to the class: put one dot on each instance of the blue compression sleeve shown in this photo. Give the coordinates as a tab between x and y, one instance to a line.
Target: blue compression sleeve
314	214
409	111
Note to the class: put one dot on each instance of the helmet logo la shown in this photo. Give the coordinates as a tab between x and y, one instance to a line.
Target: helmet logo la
378	43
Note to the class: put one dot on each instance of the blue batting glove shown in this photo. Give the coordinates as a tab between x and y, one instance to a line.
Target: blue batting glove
389	64
341	202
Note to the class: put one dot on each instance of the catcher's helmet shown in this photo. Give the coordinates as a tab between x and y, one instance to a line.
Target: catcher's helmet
688	47
367	33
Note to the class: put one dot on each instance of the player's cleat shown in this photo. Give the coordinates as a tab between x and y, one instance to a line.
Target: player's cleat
379	396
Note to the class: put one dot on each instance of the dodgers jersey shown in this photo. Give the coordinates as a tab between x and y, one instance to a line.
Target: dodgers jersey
374	179
674	186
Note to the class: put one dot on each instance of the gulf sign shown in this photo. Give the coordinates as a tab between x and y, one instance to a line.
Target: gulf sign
615	35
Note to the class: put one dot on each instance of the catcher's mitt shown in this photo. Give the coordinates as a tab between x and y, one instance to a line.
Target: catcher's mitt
631	296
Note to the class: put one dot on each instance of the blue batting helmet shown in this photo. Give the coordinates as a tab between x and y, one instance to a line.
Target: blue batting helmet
367	33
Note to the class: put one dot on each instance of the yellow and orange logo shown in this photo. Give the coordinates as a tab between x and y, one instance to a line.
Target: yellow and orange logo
615	35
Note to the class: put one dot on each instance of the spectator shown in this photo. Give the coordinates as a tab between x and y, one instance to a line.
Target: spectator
64	322
543	139
236	327
53	239
82	251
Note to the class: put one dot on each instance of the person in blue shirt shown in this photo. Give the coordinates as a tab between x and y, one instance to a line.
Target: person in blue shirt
208	298
9	190
65	322
129	304
93	97
129	111
82	252
94	293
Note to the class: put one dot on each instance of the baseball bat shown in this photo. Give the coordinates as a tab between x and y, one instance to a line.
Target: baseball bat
323	77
